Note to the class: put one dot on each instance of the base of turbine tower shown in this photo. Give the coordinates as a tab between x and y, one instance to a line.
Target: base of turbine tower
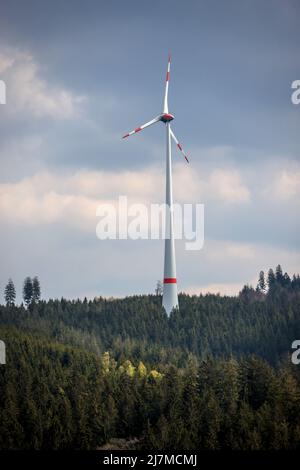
170	296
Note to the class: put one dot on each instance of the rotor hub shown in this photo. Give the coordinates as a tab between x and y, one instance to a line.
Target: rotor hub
166	117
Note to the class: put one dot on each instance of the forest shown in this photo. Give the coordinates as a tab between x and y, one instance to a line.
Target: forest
216	374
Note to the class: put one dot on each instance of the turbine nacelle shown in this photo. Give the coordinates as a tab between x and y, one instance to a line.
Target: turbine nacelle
166	117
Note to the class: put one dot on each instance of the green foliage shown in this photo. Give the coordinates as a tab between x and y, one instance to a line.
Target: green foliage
215	375
27	291
136	328
36	289
10	293
142	370
261	285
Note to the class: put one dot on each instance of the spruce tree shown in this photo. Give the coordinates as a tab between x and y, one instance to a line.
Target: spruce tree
27	291
261	286
279	275
286	280
271	279
10	293
36	289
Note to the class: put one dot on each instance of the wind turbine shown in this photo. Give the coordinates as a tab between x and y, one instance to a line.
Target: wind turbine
170	296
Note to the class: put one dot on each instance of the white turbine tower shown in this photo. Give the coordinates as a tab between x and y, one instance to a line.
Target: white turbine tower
170	296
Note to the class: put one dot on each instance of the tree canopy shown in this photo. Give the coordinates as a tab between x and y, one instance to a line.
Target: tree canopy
215	375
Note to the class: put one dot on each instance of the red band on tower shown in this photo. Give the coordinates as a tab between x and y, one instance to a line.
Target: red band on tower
170	280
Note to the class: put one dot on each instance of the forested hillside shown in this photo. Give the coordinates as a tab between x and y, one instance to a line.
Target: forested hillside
137	327
216	374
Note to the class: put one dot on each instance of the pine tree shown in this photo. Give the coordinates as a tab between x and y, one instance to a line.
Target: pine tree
247	293
27	291
271	279
261	285
286	281
36	289
10	293
279	275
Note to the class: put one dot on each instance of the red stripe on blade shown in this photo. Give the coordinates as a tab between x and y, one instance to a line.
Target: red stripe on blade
138	129
126	135
170	280
168	76
179	146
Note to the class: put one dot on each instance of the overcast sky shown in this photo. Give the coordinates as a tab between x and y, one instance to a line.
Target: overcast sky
80	74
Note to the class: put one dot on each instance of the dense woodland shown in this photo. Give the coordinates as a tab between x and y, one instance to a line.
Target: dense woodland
216	374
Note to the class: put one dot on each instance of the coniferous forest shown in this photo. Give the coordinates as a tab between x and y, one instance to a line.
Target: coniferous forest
217	374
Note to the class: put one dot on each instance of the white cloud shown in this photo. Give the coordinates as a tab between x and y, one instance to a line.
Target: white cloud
229	249
222	289
47	198
288	185
72	199
28	93
228	187
195	183
5	62
33	201
213	171
283	183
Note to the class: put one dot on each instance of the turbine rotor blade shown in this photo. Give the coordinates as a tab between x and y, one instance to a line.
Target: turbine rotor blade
179	145
166	108
138	129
